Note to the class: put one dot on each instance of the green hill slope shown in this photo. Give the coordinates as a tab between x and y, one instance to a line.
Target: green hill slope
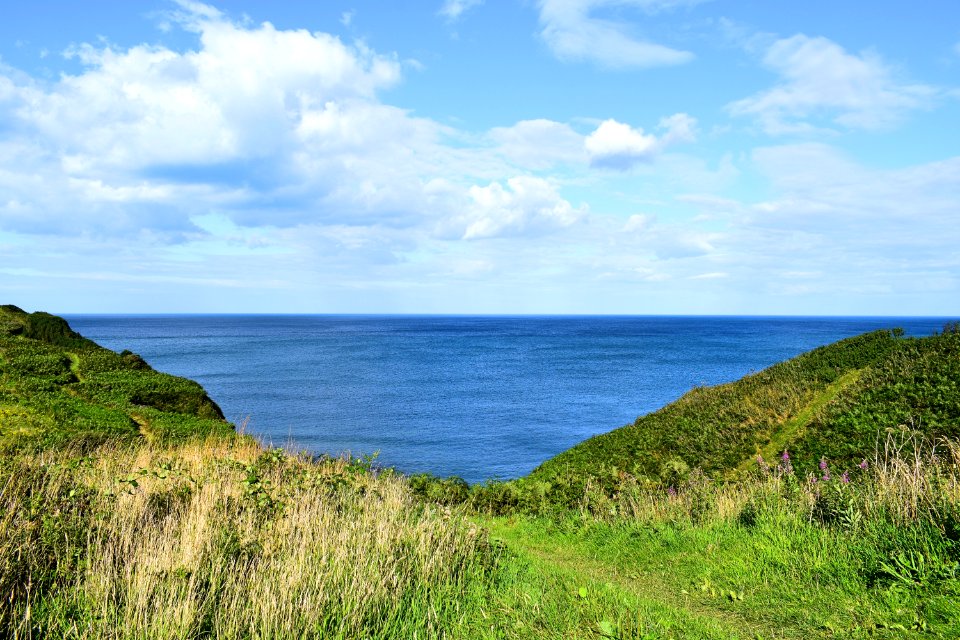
830	402
57	387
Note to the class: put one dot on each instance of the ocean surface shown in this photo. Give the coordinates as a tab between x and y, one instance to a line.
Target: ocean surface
478	397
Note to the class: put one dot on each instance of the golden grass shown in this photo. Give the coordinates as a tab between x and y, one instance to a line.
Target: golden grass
213	540
908	479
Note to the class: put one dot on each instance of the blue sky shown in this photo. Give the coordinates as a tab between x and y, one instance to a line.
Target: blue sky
466	156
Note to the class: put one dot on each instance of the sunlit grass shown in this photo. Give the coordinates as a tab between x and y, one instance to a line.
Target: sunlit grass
227	539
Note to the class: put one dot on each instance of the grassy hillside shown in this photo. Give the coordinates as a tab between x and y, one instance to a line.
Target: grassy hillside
225	539
57	387
832	402
143	521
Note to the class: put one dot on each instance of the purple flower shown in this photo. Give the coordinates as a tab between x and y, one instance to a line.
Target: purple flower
845	477
864	465
671	492
786	456
823	464
826	476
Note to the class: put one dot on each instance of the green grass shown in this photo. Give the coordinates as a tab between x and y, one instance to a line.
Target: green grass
832	402
717	428
794	427
226	539
58	388
782	579
130	509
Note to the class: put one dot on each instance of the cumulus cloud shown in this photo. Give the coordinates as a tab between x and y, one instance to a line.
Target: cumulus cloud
526	206
239	96
572	31
278	126
821	80
615	145
268	158
272	127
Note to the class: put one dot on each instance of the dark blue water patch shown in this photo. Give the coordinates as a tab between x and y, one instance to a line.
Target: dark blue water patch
479	397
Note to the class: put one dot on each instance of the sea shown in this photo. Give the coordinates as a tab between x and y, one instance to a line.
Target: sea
483	398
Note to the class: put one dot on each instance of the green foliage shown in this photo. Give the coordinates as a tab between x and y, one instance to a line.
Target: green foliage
224	538
58	389
54	330
630	535
833	401
445	491
917	386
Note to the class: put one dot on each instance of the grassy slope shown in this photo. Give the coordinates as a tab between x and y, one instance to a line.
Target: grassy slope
224	539
830	402
784	577
58	387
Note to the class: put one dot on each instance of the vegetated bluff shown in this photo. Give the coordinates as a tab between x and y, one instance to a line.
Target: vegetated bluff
57	387
834	402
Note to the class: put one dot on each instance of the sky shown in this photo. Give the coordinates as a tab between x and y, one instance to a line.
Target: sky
481	157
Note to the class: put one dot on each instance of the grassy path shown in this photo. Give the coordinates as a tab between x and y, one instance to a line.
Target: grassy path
143	425
793	427
74	365
660	601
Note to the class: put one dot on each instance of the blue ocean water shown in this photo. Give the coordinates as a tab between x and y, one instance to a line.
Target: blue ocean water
479	397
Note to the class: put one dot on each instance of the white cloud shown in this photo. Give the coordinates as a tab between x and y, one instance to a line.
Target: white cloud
527	206
272	129
453	9
239	97
638	222
276	125
616	145
817	183
619	145
539	144
269	158
834	226
679	127
572	31
819	79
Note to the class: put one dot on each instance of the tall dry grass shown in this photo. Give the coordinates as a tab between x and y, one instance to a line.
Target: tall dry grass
908	480
224	539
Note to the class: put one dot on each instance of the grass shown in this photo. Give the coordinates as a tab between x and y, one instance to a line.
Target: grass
795	427
130	509
828	403
717	428
58	388
777	555
226	539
